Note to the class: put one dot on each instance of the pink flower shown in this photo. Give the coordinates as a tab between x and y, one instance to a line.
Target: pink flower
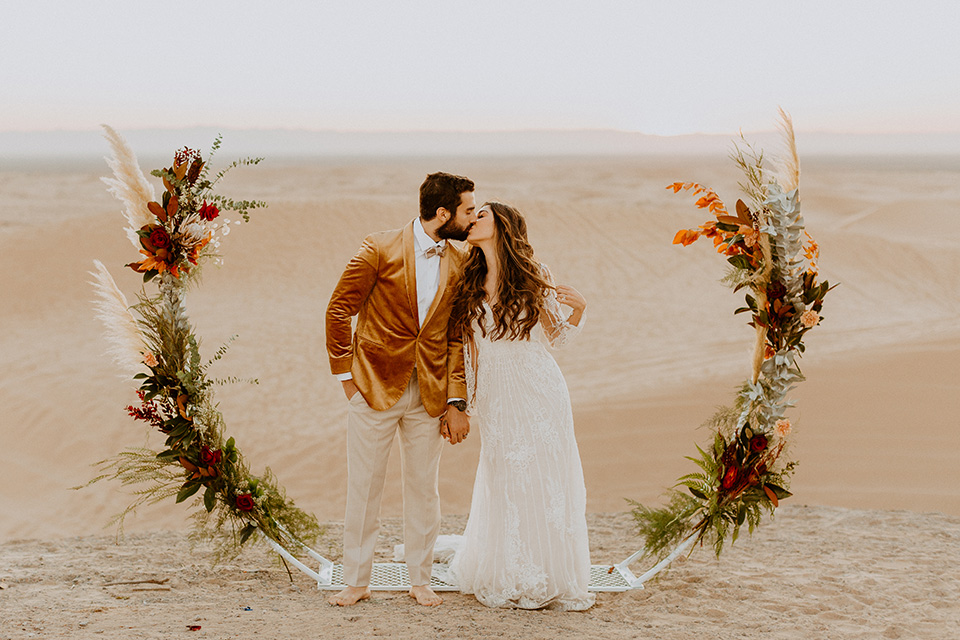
149	359
783	427
809	318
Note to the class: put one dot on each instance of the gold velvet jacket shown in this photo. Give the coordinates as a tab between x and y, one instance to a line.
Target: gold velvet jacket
379	286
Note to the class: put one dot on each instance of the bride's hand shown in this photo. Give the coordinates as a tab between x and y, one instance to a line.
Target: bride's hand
570	297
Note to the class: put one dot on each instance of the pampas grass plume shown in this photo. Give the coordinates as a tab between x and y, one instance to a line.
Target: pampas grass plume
789	168
124	340
128	185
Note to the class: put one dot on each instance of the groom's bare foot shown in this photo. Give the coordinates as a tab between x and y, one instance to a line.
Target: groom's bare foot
424	595
350	596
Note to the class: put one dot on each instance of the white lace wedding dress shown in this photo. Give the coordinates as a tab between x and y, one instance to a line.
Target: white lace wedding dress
525	544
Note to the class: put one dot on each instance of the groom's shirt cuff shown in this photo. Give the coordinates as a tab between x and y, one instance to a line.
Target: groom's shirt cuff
343	376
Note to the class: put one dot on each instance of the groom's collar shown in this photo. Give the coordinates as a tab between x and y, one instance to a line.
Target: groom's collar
424	241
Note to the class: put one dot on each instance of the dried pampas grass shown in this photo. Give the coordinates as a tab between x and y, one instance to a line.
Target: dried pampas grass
789	164
128	185
125	342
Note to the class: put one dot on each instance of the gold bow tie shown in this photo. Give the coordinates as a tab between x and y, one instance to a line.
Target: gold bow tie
435	250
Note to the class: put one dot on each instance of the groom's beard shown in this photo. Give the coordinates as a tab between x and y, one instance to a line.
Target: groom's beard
452	231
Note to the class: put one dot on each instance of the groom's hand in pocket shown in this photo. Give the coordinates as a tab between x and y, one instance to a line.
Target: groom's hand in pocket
457	424
350	388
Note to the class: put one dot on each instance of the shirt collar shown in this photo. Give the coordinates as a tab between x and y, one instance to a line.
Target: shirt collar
424	241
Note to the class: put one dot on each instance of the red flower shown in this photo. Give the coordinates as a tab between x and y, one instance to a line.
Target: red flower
209	211
160	238
209	457
758	443
245	502
776	290
731	477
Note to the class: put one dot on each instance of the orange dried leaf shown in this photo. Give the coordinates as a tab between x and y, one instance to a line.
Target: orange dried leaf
157	210
770	494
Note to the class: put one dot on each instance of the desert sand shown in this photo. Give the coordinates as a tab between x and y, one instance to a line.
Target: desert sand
865	548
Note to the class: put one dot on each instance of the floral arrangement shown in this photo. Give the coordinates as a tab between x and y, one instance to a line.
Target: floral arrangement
746	469
155	343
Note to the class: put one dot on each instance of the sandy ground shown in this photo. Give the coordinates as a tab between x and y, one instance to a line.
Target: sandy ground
816	572
876	422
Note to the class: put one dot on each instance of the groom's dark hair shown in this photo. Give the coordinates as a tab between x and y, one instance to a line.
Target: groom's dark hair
442	190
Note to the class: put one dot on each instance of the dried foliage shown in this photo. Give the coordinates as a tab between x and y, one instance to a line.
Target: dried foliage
745	472
175	394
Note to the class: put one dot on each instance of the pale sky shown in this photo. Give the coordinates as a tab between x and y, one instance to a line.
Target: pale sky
664	67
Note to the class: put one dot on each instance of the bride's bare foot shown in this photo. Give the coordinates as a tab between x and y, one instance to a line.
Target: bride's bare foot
350	596
424	595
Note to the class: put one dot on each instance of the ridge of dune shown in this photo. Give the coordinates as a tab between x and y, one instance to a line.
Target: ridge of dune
660	350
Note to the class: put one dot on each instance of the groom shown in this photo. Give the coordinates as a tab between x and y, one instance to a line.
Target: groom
401	372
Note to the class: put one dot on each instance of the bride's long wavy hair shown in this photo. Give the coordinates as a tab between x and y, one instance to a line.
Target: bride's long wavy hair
521	289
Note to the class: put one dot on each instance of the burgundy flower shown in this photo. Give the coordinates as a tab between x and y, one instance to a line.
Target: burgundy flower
194	171
209	211
160	238
147	411
245	502
208	456
731	477
758	443
776	290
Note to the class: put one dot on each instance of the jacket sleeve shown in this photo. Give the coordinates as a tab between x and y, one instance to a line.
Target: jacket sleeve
456	379
351	291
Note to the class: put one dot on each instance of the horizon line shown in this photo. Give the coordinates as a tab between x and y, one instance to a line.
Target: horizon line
553	130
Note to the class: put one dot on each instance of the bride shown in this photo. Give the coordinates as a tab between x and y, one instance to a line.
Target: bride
525	543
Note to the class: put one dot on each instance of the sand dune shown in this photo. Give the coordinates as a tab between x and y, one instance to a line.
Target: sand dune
876	420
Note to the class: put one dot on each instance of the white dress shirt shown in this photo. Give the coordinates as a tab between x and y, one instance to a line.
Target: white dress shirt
428	270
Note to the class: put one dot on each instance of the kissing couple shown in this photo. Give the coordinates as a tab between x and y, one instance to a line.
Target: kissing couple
444	338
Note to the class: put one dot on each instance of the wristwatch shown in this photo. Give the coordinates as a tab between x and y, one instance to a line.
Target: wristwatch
461	405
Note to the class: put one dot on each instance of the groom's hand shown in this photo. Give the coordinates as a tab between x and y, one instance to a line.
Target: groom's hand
350	388
455	425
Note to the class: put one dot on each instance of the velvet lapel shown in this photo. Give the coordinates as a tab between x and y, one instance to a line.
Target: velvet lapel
441	286
410	270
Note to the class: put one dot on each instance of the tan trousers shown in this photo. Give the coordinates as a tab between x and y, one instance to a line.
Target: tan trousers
369	438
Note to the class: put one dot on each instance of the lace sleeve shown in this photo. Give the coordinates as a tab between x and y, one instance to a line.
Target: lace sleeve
470	369
556	329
